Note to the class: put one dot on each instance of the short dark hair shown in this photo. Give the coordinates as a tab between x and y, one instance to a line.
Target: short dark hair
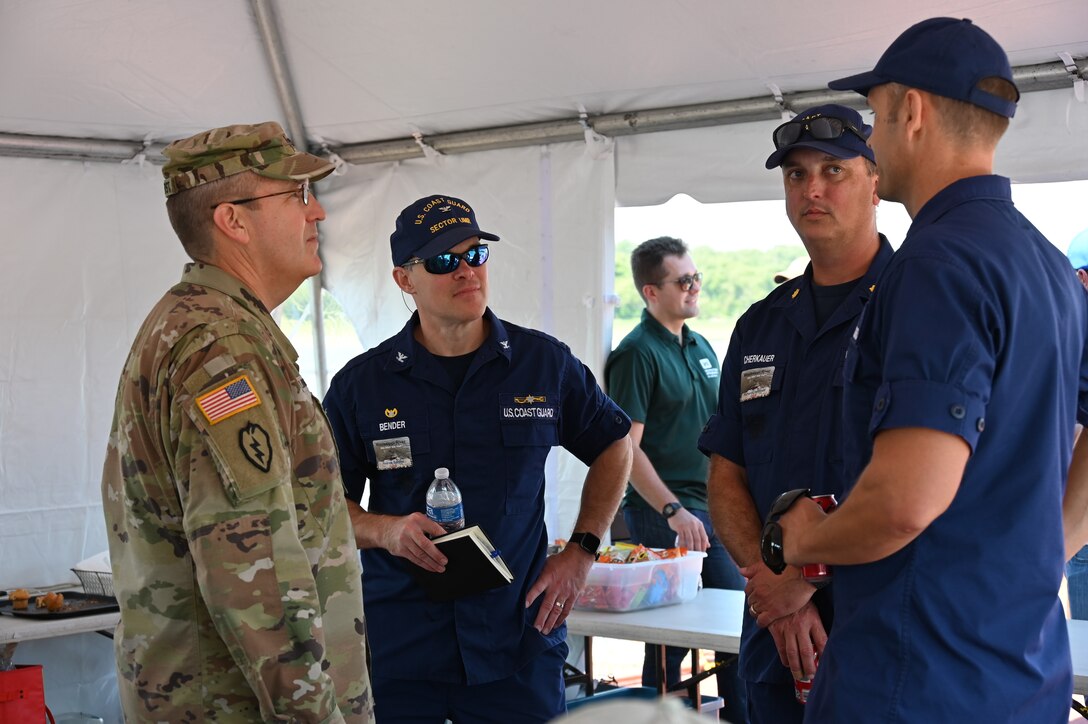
970	122
190	210
966	121
647	258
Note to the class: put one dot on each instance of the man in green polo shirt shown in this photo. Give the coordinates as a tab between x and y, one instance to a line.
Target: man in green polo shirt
665	376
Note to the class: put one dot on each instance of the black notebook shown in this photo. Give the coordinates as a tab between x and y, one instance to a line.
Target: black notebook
473	566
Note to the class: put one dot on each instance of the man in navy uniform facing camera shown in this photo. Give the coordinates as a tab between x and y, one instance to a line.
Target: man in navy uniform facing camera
488	400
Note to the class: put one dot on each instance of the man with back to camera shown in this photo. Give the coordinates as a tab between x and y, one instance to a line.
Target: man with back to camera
962	387
778	422
488	400
231	547
665	376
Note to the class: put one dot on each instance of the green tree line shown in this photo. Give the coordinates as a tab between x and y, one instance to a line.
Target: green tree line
732	280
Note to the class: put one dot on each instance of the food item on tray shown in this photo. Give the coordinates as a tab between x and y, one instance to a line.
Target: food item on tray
20	599
51	601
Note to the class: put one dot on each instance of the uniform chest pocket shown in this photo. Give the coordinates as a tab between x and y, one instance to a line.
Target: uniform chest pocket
530	429
399	462
760	409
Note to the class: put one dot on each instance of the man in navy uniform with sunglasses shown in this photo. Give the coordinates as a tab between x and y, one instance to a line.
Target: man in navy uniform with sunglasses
778	422
461	389
962	386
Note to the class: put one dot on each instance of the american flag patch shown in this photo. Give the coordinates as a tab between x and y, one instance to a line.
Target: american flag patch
228	399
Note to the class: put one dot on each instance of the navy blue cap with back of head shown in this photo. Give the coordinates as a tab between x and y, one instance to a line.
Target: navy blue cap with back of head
944	56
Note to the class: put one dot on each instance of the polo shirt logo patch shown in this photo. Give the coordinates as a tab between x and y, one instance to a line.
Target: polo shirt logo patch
756	383
228	399
709	368
255	445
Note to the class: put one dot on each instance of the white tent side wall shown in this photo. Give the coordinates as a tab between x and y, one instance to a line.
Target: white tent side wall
87	251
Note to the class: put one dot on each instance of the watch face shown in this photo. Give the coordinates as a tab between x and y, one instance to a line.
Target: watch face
670	509
587	542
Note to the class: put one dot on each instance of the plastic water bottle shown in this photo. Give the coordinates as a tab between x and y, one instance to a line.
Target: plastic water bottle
444	502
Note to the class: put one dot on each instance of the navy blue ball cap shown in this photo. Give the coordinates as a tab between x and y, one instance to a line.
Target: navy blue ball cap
944	56
847	145
433	225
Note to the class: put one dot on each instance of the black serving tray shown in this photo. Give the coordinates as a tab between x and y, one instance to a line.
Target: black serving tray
76	603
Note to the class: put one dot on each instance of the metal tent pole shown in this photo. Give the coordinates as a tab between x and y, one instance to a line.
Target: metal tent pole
268	27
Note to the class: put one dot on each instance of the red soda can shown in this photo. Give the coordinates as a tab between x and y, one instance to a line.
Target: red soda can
819	574
802	686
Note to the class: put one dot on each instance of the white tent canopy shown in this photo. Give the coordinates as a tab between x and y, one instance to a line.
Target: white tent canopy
581	91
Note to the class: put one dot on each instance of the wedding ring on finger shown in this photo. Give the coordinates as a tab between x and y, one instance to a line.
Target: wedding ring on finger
752	610
559	605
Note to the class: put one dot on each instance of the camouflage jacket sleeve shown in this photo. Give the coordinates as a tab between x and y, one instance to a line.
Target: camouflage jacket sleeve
256	535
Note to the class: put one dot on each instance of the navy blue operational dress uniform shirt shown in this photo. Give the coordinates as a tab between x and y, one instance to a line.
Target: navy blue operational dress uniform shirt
977	329
524	394
780	414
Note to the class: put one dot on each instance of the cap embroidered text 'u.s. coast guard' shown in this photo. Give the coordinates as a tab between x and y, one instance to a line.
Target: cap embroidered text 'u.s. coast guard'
433	225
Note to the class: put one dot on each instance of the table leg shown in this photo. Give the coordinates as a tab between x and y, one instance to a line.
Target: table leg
696	697
7	654
589	665
662	686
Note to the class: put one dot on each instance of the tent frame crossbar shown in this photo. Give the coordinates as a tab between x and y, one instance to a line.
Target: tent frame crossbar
1029	78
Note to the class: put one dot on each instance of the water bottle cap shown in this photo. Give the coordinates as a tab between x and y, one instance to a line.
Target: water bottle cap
442	472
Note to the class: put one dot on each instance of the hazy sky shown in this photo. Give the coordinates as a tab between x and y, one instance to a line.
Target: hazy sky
1059	210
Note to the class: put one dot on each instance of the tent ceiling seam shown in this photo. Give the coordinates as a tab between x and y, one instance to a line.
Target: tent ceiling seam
1029	78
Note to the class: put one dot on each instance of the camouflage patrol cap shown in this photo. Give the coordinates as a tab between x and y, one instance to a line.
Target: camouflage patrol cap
262	148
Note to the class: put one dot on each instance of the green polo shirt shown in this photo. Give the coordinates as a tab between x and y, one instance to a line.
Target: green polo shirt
671	386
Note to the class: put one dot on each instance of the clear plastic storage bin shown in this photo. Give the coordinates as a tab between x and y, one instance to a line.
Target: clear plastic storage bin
636	586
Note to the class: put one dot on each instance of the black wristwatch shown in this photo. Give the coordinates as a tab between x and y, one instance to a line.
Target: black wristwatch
770	539
671	509
587	542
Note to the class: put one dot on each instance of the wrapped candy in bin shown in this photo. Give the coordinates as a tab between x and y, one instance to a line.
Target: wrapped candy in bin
647	583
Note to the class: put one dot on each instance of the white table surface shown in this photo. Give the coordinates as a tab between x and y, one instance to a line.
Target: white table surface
14	629
712	622
709	621
1078	642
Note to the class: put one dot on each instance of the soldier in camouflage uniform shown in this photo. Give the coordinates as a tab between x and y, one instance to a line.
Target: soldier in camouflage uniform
233	556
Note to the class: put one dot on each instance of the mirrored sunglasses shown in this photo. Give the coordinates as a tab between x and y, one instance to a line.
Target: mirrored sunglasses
449	261
821	128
